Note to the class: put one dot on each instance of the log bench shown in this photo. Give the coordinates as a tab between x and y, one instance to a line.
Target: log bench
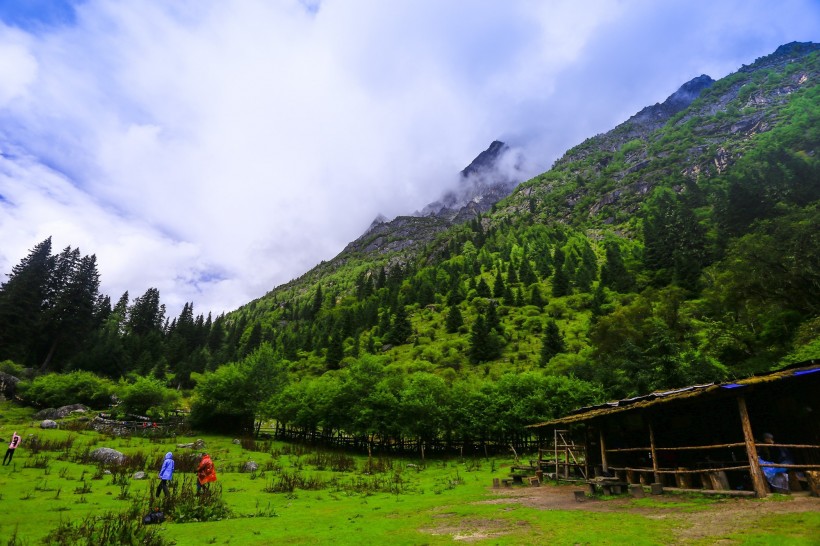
612	486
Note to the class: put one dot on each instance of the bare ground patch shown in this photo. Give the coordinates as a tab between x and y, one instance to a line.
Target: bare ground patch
694	520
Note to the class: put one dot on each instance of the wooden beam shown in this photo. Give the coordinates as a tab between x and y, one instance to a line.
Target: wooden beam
758	480
652	448
604	465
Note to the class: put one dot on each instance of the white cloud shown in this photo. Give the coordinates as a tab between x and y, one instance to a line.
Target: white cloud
215	149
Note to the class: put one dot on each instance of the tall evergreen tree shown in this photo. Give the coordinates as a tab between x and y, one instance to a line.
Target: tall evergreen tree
22	299
560	281
482	288
553	342
400	328
613	273
454	319
525	273
485	345
499	288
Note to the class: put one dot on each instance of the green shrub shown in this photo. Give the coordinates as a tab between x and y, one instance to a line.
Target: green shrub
12	368
148	395
54	390
107	529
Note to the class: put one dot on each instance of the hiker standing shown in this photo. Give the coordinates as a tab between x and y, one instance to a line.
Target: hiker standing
205	473
15	441
165	474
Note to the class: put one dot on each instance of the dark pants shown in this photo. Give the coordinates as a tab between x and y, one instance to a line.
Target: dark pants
201	486
9	455
163	486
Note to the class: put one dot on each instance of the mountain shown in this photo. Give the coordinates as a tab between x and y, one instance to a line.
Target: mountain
662	199
490	177
680	247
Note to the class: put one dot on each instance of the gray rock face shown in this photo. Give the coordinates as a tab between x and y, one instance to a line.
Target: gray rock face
107	455
48	423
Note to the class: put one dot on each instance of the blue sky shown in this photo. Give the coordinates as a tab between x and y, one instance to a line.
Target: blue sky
215	149
37	15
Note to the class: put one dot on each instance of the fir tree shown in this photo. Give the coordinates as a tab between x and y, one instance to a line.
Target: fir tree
613	273
22	300
525	273
400	327
535	297
560	281
454	320
483	289
499	288
553	342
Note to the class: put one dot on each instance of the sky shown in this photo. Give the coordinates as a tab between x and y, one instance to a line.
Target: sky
215	149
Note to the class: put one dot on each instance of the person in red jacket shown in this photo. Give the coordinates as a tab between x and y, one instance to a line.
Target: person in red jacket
15	441
205	473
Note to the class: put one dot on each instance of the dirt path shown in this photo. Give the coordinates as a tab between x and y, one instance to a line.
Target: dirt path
727	515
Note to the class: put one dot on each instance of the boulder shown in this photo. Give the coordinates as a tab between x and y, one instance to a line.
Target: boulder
237	441
64	411
199	444
107	455
138	475
8	384
48	413
250	466
48	423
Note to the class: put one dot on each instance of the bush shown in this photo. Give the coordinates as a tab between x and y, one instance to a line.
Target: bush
148	395
55	390
107	529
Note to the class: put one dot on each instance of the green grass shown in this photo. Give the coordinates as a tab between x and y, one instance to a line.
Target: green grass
409	503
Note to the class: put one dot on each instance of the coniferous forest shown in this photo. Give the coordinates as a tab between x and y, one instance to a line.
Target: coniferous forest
647	258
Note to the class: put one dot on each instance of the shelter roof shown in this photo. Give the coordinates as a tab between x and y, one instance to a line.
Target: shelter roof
692	391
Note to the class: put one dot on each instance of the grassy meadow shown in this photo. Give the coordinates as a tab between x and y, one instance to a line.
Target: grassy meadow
300	495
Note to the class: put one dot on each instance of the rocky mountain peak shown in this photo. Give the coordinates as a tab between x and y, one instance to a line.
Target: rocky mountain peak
490	177
652	117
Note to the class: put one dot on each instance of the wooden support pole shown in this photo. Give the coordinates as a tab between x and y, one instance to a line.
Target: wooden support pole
758	480
604	465
652	451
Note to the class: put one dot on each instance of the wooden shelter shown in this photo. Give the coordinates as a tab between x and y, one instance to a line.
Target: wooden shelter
704	437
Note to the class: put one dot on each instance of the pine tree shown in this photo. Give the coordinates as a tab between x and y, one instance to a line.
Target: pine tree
525	273
22	300
400	327
535	297
613	273
499	288
483	289
560	281
454	319
335	350
553	342
485	344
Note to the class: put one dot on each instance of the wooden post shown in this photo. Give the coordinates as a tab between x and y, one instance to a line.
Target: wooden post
758	480
604	464
652	451
586	453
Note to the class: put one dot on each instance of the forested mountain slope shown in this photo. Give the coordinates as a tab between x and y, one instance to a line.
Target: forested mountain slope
683	246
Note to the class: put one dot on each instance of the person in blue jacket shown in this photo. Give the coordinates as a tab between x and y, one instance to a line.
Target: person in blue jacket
165	474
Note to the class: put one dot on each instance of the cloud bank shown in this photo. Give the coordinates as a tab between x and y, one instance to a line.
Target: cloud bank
216	149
